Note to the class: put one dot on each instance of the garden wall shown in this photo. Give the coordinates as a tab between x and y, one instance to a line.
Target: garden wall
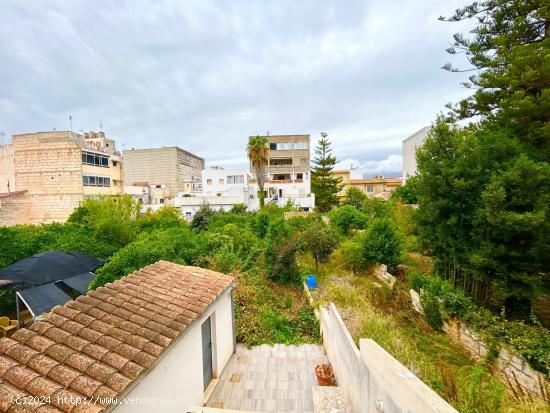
514	369
370	378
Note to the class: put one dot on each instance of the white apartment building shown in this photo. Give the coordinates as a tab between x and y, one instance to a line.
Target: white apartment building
409	152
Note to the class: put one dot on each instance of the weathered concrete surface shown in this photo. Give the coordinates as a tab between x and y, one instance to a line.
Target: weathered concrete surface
268	378
371	379
329	399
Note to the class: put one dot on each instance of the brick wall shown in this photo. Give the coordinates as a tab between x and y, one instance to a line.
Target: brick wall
49	166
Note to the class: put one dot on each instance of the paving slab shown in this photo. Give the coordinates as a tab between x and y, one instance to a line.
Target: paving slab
278	378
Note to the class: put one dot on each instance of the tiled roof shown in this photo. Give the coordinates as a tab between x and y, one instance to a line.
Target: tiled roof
96	346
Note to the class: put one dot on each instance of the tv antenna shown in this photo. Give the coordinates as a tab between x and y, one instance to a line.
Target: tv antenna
71	122
100	125
2	134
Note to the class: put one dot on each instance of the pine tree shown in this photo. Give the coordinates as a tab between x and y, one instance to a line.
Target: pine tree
324	185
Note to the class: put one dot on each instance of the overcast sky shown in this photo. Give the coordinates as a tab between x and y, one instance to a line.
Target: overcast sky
205	75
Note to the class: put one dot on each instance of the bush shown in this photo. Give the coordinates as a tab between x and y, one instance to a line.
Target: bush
238	209
432	310
352	252
382	244
163	218
320	240
355	197
281	250
175	244
346	218
202	217
111	218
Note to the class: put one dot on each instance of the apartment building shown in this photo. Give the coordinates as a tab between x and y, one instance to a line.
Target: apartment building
410	145
45	175
288	170
377	187
178	170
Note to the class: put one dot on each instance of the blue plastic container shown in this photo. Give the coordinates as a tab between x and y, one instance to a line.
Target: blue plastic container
311	281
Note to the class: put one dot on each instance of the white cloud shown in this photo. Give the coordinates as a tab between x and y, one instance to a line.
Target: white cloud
206	75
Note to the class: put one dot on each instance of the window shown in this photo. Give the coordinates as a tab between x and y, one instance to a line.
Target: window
115	163
188	216
235	179
94	159
280	146
161	200
370	188
221	181
91	180
209	182
300	145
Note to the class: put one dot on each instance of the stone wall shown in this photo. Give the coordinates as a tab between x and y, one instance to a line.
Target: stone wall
49	166
14	208
513	369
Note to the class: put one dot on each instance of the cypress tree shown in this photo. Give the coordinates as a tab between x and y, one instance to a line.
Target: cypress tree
324	185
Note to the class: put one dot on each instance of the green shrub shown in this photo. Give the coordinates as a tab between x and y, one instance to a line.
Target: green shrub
260	224
202	218
416	280
111	218
382	244
346	218
238	209
174	244
352	252
281	249
355	197
432	310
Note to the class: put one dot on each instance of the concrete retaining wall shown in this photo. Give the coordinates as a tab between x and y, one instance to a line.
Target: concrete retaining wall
370	378
513	369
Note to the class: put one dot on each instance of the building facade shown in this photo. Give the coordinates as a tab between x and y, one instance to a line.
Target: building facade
57	169
377	187
173	167
409	152
288	171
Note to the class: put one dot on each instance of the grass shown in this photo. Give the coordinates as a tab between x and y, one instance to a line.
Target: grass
373	311
269	313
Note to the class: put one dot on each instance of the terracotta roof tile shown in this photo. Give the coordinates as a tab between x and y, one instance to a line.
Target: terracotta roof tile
80	362
5	344
20	376
42	386
8	393
117	382
22	335
87	408
98	344
48	408
42	364
21	353
100	371
85	385
59	352
63	374
39	343
6	364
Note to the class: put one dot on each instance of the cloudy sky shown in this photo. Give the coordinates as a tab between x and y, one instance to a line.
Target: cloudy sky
205	75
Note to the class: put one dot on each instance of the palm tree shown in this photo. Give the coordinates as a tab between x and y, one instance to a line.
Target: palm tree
257	151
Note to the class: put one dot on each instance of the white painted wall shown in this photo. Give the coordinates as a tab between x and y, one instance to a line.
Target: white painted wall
370	377
409	152
176	381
